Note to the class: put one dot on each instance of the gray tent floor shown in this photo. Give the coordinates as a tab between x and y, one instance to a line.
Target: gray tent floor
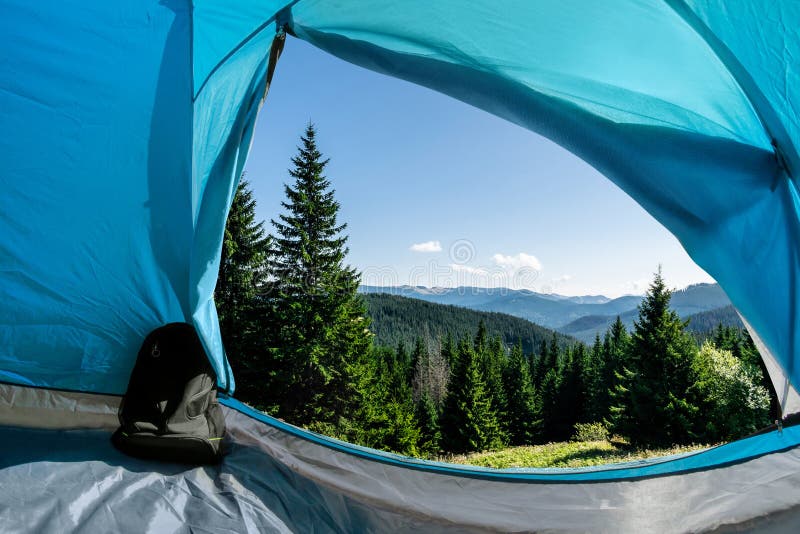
272	481
76	481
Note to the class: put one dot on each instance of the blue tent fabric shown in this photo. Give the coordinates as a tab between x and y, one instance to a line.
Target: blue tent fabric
760	43
126	126
95	205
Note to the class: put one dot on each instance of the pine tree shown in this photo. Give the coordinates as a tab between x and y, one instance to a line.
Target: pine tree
620	412
616	376
481	337
392	371
551	416
523	412
617	347
242	275
492	362
548	356
596	389
449	350
468	422
571	394
428	420
583	372
382	416
659	408
403	359
323	336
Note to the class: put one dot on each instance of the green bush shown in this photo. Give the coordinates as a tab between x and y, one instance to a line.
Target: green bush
590	432
733	400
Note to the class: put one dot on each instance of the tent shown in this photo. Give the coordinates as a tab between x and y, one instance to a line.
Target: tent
124	127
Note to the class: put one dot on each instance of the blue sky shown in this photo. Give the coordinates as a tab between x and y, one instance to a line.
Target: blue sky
485	202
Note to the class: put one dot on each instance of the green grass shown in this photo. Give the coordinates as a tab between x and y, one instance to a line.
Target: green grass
566	454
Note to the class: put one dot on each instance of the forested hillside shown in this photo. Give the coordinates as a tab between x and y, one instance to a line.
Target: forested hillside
431	380
705	322
550	311
581	317
701	324
396	319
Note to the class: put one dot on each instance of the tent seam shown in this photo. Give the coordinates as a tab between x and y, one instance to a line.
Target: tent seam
261	27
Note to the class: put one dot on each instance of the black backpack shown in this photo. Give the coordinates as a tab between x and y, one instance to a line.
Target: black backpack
170	411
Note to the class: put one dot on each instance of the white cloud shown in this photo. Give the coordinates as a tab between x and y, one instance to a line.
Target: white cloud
563	278
636	287
458	268
517	262
427	246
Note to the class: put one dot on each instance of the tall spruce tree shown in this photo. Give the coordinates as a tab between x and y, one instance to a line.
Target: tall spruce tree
547	360
540	363
571	394
468	422
242	276
382	415
449	350
658	374
597	390
403	358
582	370
481	337
323	338
428	419
492	361
552	415
615	375
522	419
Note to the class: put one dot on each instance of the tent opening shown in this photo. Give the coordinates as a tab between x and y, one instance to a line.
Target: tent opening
409	165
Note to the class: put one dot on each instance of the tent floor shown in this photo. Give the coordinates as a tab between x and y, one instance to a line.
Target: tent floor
76	481
277	478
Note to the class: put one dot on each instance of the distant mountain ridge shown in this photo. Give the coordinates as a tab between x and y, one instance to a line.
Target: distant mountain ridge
396	318
581	316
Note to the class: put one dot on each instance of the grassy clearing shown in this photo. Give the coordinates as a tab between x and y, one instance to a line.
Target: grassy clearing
566	454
